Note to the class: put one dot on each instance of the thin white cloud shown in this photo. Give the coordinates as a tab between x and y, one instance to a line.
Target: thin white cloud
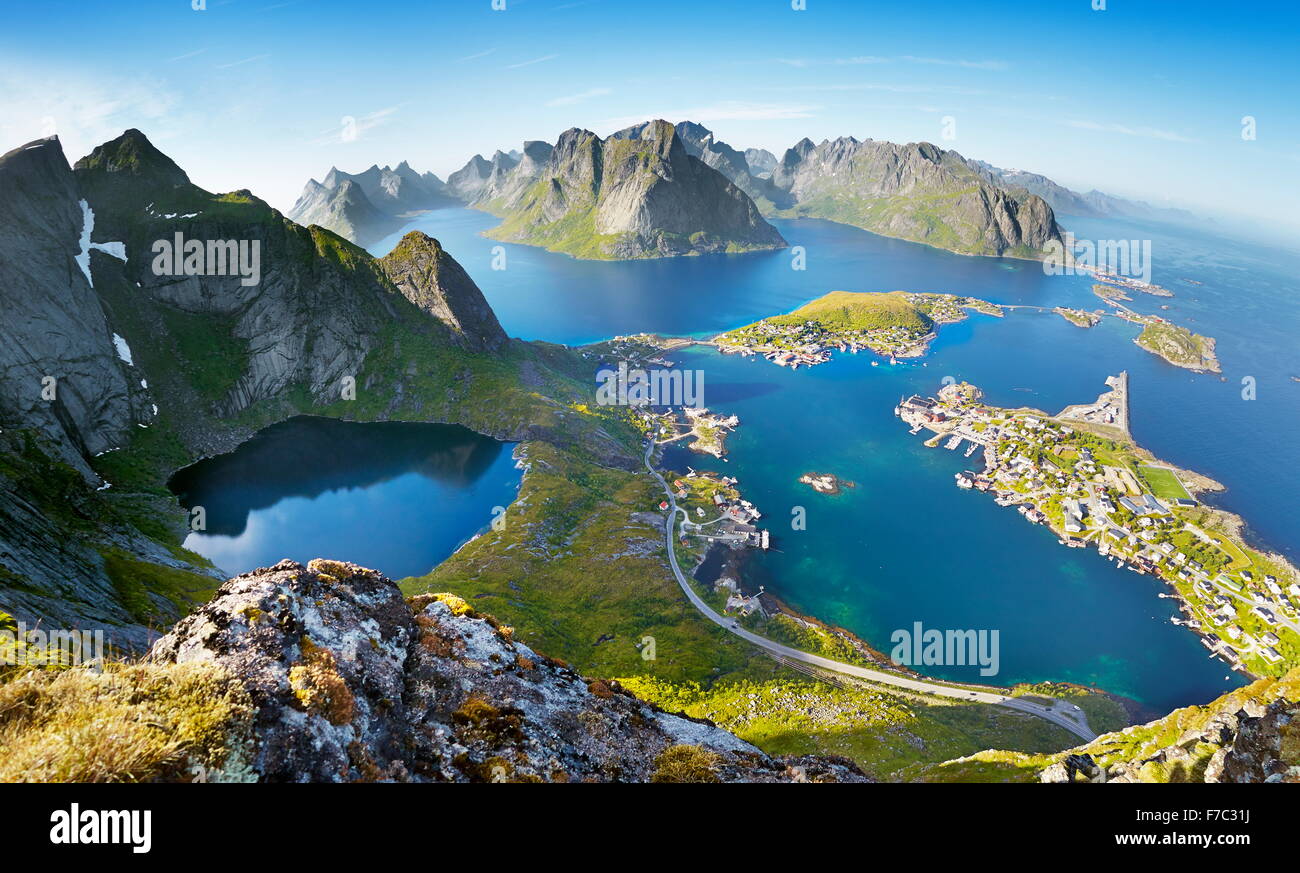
531	62
84	110
957	62
724	111
241	62
571	99
886	87
838	62
476	55
187	55
1145	132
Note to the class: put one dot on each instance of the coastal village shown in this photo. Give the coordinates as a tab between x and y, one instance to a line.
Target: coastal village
1080	474
797	341
717	516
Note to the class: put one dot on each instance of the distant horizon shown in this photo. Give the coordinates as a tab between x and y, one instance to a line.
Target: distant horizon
265	95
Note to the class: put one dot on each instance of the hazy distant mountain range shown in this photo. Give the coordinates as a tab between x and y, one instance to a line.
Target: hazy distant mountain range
371	204
1093	204
658	189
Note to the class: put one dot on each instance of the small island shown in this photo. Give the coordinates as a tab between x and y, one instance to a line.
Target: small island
1109	292
894	324
1079	317
1178	345
826	483
1132	284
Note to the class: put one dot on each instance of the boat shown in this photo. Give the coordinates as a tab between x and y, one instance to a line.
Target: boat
953	443
971	450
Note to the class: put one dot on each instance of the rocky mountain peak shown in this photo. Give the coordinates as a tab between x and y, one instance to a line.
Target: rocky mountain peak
133	154
351	682
432	279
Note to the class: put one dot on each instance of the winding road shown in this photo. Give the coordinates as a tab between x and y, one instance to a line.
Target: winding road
1061	713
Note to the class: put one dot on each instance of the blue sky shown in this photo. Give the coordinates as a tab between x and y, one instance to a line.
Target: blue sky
1142	99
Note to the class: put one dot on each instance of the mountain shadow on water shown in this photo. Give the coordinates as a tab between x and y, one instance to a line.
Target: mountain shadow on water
306	456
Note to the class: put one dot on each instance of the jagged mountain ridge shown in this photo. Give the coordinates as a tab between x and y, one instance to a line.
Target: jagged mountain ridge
916	191
638	193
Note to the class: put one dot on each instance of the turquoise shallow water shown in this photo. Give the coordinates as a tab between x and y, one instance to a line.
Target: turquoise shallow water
906	545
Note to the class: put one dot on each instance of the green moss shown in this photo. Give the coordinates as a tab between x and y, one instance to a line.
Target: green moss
683	763
133	723
211	356
136	582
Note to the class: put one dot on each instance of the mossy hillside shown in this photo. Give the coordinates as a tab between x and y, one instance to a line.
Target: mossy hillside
929	213
138	583
930	221
859	310
581	579
578	570
1132	744
1179	346
89	522
883	732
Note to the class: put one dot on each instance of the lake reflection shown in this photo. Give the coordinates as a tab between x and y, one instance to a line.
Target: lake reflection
396	496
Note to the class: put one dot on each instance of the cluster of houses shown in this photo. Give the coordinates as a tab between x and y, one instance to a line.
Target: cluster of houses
810	343
1087	501
733	523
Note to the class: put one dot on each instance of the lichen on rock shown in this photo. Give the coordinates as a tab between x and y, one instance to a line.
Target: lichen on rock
351	682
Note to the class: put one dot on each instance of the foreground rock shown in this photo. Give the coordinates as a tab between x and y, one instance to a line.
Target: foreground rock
352	682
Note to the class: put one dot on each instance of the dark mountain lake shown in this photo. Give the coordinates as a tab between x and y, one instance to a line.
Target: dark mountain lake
396	496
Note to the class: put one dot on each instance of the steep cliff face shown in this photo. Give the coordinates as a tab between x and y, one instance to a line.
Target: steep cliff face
467	183
733	164
509	180
432	280
60	373
307	314
916	191
70	390
761	162
351	682
637	194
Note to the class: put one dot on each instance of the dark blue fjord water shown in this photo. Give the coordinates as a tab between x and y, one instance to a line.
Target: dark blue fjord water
906	545
399	497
